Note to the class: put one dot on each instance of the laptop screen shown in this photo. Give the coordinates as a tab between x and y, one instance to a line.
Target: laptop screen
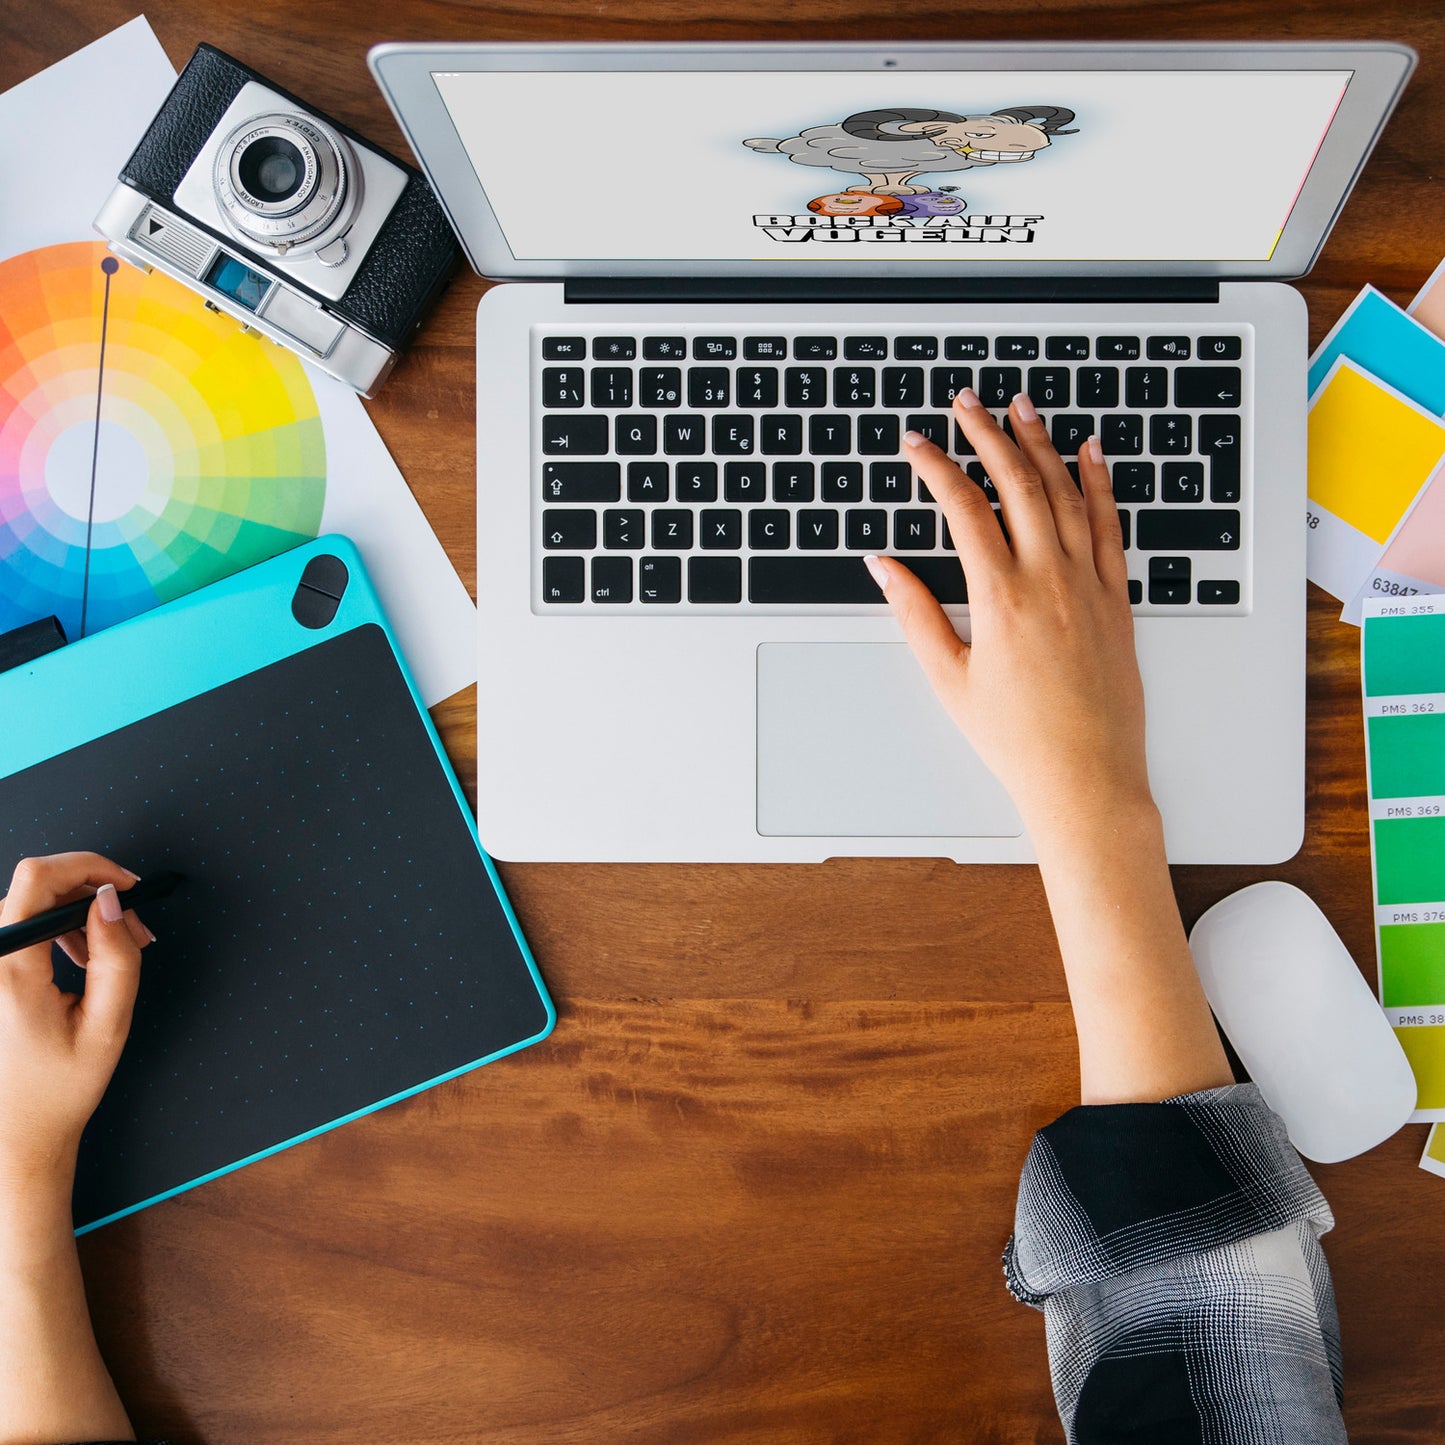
986	166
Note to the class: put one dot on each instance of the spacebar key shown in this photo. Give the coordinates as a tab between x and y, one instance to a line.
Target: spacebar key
801	580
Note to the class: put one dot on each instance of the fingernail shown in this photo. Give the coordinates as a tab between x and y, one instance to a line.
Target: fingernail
150	937
1096	451
1025	407
877	571
110	908
134	877
967	398
913	438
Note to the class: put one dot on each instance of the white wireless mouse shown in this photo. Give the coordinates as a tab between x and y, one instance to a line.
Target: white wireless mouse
1303	1021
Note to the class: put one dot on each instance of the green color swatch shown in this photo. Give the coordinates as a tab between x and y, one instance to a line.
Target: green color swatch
1410	860
1412	964
1407	756
1404	655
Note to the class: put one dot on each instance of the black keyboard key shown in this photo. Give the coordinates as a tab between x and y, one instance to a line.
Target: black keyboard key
612	579
1192	529
830	435
842	482
684	435
769	529
902	386
865	348
1049	386
1219	440
945	383
659	386
792	481
962	447
805	386
578	436
982	479
720	530
714	348
782	436
1117	348
611	386
757	386
614	348
1066	348
1181	482
866	529
709	386
1124	528
745	482
1133	481
817	530
647	482
915	348
1220	348
623	529
915	529
659	579
1136	591
564	348
635	436
853	385
1016	348
998	385
1168	593
890	482
931	425
564	579
1122	435
695	481
571	529
581	481
1171	435
1070	431
562	386
672	529
1167	348
1098	386
815	348
966	348
1168	581
1146	386
878	435
664	348
765	348
1218	594
1204	387
714	579
732	436
802	580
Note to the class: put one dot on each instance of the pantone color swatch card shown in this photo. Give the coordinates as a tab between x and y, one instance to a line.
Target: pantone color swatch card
1403	667
1433	1158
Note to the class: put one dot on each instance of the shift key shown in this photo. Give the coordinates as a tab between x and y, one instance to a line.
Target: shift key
1186	529
581	481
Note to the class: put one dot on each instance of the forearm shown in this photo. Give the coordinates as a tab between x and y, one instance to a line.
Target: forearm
56	1384
1144	1026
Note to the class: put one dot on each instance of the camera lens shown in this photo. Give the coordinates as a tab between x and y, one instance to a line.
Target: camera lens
271	168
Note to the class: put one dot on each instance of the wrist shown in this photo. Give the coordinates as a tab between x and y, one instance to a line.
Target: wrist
1119	823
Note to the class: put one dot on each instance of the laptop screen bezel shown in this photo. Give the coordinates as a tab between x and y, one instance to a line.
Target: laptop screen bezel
404	71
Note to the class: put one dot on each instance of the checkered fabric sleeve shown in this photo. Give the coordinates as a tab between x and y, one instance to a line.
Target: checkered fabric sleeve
1174	1251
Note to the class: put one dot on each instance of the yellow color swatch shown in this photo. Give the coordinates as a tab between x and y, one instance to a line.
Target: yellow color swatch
1433	1158
1425	1048
1370	451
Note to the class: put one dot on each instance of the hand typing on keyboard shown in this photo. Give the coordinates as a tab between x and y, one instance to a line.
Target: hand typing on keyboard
1048	690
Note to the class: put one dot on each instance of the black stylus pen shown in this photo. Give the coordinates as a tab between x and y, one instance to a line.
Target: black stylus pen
47	926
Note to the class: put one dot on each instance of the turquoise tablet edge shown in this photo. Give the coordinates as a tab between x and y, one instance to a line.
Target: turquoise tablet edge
174	653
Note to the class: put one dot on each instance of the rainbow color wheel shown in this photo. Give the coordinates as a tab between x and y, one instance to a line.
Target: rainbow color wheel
207	454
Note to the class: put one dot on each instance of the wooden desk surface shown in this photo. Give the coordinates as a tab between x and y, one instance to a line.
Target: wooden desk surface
755	1187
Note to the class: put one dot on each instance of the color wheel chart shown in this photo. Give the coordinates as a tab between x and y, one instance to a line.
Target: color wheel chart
147	445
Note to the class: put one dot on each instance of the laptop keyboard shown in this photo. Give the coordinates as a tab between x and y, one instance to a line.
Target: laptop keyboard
721	471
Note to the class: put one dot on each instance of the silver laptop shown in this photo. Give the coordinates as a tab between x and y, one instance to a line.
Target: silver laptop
736	274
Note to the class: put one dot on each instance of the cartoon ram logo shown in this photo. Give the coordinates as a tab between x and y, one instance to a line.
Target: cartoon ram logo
888	148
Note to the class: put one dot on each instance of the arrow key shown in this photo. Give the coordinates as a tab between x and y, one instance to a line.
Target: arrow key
573	530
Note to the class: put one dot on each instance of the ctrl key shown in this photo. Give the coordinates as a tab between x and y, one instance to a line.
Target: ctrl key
563	579
612	579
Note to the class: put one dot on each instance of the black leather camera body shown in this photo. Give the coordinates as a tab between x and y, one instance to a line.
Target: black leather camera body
284	218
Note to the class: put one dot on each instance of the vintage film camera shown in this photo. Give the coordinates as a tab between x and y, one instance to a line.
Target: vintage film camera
283	218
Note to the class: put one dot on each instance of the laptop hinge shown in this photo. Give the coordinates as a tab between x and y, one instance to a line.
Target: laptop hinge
853	290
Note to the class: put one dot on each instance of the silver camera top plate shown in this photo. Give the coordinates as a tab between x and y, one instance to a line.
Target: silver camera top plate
379	182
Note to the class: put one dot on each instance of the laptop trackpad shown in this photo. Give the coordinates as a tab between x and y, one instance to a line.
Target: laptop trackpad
852	743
